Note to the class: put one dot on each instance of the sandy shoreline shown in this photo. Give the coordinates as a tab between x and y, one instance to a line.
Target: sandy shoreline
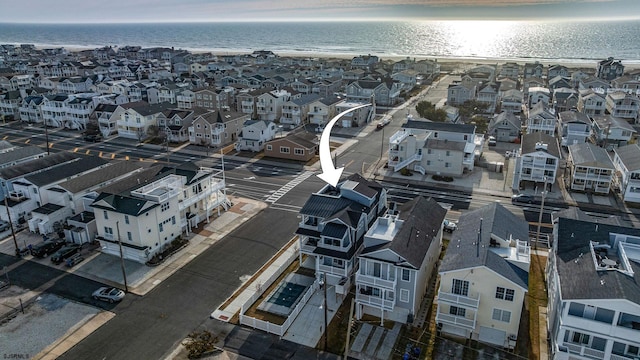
570	63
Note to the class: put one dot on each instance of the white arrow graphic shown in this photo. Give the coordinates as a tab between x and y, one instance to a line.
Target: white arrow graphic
330	174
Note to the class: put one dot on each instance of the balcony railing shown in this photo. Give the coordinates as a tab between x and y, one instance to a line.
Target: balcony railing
585	351
456	320
459	299
375	281
332	270
375	301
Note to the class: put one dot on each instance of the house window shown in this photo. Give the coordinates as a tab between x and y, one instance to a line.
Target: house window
106	215
505	294
460	287
298	151
173	220
428	151
160	227
428	162
269	147
164	207
625	350
405	274
129	236
126	219
284	150
457	311
108	231
447	164
404	295
448	153
501	315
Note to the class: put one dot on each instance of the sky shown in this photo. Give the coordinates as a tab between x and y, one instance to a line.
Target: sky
135	11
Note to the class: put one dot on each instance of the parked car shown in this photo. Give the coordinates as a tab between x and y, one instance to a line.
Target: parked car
109	294
449	225
383	123
64	253
73	260
46	247
4	226
492	141
523	198
93	137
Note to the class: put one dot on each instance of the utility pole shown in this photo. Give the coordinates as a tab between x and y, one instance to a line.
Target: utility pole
346	345
13	233
326	305
46	134
124	273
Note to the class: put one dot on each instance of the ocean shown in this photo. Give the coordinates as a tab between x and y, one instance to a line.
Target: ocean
571	41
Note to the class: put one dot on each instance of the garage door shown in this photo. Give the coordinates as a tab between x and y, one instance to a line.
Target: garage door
492	336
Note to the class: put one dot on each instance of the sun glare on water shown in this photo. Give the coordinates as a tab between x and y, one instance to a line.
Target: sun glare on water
479	37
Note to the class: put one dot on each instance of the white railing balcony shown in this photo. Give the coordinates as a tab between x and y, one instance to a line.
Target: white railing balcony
375	281
109	236
456	299
584	351
375	301
456	320
333	270
398	137
625	107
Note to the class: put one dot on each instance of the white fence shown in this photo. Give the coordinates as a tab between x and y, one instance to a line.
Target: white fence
279	330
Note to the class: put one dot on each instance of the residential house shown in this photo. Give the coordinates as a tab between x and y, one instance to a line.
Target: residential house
559	82
185	99
364	62
531	83
623	105
211	99
488	95
295	111
535	70
537	161
510	70
367	91
511	101
355	118
627	83
135	119
593	82
268	105
79	110
609	69
591	102
591	168
565	99
19	155
407	78
484	277
54	109
573	127
626	160
175	123
299	146
10	104
434	148
398	260
611	132
541	119
506	127
592	286
557	70
506	84
107	123
146	217
402	65
458	93
254	135
323	110
538	94
333	223
217	128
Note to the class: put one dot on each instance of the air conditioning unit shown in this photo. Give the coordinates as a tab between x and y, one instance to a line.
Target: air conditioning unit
17	196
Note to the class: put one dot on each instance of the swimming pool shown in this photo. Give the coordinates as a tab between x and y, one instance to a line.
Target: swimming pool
286	294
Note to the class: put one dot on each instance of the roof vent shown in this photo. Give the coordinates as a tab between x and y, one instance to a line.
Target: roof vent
542	146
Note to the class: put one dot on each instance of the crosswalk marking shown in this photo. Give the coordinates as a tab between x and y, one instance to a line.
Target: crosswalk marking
288	186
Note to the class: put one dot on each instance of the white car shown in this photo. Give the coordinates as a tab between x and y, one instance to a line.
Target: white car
449	225
109	294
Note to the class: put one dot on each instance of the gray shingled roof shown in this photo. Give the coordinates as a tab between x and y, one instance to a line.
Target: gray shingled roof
323	206
444	144
615	122
573	116
19	154
576	270
99	176
439	126
29	167
630	156
60	172
586	154
464	252
529	142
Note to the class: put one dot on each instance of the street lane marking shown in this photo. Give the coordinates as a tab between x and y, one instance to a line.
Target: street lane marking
87	152
113	155
27	141
288	186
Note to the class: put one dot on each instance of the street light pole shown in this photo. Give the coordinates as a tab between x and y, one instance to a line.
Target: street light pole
124	274
46	134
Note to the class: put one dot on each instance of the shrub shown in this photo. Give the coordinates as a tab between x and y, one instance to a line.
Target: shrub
406	172
442	178
200	343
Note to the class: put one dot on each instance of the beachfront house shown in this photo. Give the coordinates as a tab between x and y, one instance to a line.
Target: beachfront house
333	223
626	160
510	70
609	69
594	296
623	105
537	161
484	277
398	259
591	168
255	134
506	127
610	131
533	70
146	216
541	119
557	70
434	148
573	127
